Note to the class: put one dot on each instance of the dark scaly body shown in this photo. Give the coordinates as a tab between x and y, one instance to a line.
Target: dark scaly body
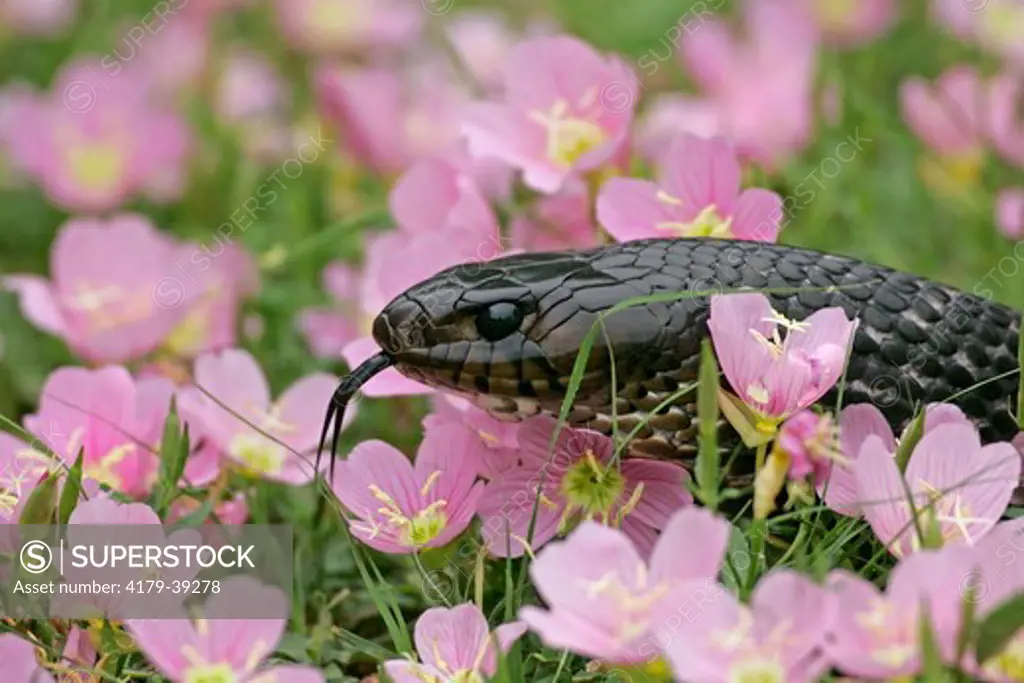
918	341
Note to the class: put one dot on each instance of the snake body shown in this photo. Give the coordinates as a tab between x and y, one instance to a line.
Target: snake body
506	334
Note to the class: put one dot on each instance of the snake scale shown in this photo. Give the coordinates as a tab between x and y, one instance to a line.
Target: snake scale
506	334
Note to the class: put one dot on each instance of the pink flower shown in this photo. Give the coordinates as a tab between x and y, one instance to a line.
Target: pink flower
761	84
454	644
996	26
555	222
330	26
567	110
116	420
852	23
1010	212
667	116
172	60
443	220
499	440
103	298
38	17
249	86
810	441
328	329
21	468
265	438
401	507
856	424
482	40
579	480
959	488
776	377
20	662
604	600
697	195
876	635
224	649
390	118
210	285
95	141
778	637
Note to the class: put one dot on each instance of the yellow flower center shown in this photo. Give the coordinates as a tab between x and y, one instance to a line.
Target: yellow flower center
953	175
97	166
188	336
257	454
757	670
592	488
893	635
634	600
834	13
96	303
416	531
102	469
1009	662
329	19
570	137
708	222
1003	24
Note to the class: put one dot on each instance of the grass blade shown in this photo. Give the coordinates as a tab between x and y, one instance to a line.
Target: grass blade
709	463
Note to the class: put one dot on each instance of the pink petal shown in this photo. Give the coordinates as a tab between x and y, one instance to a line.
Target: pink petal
703	173
375	464
1009	213
507	509
629	209
758	216
882	496
786	597
291	673
451	638
404	671
164	642
326	331
852	644
664	490
691	546
742	358
301	407
38	303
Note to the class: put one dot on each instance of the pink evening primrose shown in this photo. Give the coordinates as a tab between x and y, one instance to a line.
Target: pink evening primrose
852	22
389	118
579	481
777	638
556	222
566	110
760	82
210	283
1010	212
876	635
21	468
811	442
958	117
605	601
272	439
481	39
443	220
697	195
959	488
856	424
665	116
772	375
186	650
499	440
355	26
102	296
327	329
995	26
21	665
46	18
403	507
114	419
454	645
93	142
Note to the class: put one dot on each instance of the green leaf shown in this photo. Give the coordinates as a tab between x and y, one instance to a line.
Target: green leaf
996	630
709	465
41	506
174	447
72	490
911	436
933	669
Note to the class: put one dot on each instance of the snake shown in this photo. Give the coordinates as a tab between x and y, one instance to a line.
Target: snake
506	334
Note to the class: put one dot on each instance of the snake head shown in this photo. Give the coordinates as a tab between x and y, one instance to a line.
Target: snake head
513	327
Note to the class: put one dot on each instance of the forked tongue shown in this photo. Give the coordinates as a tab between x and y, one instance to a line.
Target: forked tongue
347	388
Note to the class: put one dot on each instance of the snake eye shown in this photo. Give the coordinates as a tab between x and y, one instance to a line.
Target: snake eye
499	320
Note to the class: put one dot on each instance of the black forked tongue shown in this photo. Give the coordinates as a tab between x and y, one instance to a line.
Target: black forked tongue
347	387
